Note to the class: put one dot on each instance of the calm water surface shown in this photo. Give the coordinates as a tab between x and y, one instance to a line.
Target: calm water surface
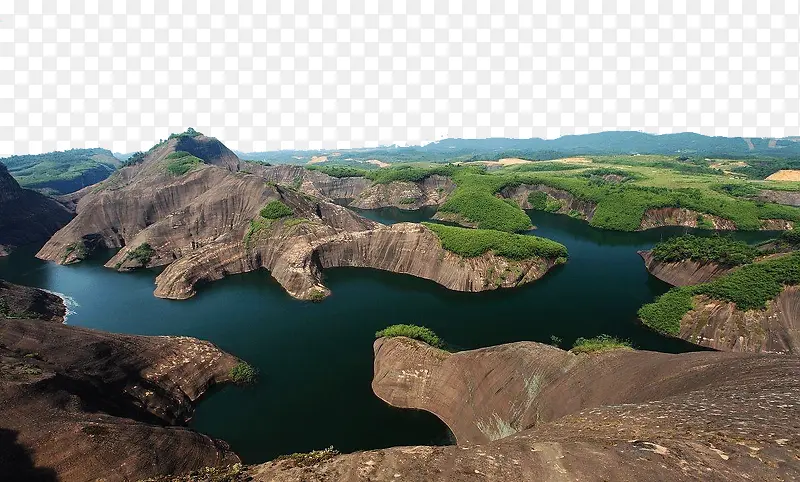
316	359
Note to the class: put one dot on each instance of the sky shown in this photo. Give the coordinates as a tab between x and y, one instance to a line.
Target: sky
338	74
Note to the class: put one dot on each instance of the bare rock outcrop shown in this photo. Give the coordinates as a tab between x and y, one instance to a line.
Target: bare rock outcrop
720	325
23	302
26	216
295	255
683	273
431	191
620	415
315	183
569	203
789	198
80	404
671	216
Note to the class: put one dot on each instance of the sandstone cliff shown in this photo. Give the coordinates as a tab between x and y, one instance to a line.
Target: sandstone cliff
26	216
620	415
295	254
683	273
22	302
654	218
81	404
431	191
205	224
790	198
720	325
568	202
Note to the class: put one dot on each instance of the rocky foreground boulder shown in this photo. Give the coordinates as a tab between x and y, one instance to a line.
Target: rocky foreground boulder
79	404
26	216
527	411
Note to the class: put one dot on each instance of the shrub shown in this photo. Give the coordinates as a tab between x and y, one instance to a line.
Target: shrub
407	200
276	210
142	254
600	343
475	242
538	200
665	313
717	249
181	162
243	374
411	331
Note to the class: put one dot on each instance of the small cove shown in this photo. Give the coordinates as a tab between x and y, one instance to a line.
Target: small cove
316	359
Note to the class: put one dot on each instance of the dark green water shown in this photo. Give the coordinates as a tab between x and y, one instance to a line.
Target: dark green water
316	359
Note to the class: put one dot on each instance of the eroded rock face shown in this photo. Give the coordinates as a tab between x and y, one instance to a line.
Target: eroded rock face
296	254
81	404
26	216
569	203
432	191
790	198
718	324
21	301
620	415
654	218
199	224
683	273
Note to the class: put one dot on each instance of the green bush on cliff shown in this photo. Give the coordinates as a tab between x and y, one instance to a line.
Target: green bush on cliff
276	210
412	331
749	287
475	242
717	249
599	343
243	374
181	162
142	254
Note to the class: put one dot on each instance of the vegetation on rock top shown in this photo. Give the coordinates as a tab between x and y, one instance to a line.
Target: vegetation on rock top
717	249
181	162
600	343
416	332
475	242
275	210
749	287
243	374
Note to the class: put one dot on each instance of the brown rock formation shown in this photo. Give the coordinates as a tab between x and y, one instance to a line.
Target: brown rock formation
620	415
718	324
199	224
683	273
654	218
26	216
431	191
81	404
790	198
569	203
296	254
22	302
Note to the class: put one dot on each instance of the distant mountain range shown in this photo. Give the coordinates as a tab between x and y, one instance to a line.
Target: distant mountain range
603	143
62	172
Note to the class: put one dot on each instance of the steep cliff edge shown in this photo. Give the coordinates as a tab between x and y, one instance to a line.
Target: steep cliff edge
683	273
620	415
26	216
82	404
295	254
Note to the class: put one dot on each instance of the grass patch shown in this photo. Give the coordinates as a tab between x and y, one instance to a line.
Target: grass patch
181	162
475	242
600	343
243	374
749	287
78	249
275	210
412	331
407	200
256	226
474	199
717	249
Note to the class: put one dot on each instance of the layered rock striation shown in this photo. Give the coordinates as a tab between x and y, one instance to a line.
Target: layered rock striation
619	415
683	273
206	224
80	404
